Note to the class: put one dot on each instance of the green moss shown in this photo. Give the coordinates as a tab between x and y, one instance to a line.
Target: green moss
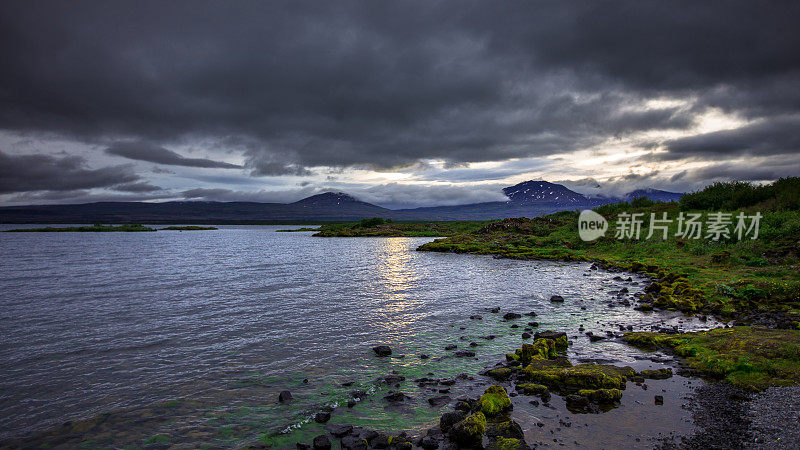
658	374
469	432
602	395
540	349
749	357
531	388
581	376
502	373
494	401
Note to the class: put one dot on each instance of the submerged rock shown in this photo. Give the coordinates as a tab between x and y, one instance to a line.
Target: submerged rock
511	316
382	350
322	417
557	299
465	353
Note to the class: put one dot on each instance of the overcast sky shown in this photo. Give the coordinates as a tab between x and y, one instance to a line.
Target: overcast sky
398	103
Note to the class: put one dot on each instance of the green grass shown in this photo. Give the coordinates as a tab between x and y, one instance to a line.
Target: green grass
748	357
85	229
379	227
189	228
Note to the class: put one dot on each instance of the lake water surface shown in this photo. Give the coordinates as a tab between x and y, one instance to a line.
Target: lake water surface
187	337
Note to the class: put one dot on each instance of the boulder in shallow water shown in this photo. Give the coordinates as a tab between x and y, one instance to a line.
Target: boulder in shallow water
449	419
511	316
464	353
322	442
439	401
557	299
469	432
339	431
396	397
382	350
322	417
494	401
284	396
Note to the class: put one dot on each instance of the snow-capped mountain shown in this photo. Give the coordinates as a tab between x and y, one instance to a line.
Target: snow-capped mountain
538	192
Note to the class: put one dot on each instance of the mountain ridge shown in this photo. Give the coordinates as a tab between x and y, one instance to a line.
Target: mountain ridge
527	199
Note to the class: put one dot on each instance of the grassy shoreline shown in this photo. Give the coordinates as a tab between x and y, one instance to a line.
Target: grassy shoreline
753	280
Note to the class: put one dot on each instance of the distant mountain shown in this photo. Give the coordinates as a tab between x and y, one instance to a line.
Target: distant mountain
527	199
542	192
329	199
654	194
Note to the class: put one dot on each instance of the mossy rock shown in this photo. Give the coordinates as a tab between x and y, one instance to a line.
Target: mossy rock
749	357
582	376
494	401
469	432
541	348
512	357
559	337
507	444
531	389
658	374
601	395
503	373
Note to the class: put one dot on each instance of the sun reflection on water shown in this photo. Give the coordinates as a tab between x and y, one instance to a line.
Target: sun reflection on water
395	280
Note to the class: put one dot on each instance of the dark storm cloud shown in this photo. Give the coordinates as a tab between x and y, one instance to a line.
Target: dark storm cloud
153	153
20	173
778	136
383	84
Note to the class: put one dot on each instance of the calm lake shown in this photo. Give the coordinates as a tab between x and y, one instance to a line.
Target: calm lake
187	337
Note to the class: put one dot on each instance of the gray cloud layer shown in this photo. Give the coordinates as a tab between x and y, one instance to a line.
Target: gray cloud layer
297	84
20	173
152	153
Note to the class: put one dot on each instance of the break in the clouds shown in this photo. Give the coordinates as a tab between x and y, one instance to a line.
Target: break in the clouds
424	97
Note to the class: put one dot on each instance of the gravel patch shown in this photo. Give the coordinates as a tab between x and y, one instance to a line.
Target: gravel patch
719	411
775	418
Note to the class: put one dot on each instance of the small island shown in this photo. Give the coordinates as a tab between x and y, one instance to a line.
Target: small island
189	228
96	228
377	226
298	229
